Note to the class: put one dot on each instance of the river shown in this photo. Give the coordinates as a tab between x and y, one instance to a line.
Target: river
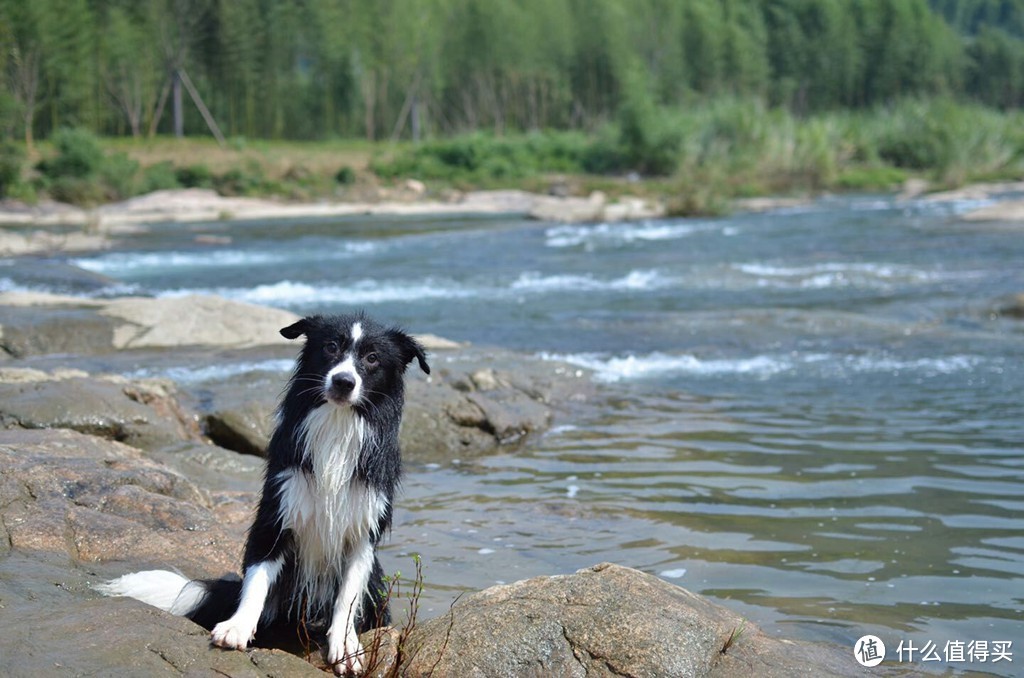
814	416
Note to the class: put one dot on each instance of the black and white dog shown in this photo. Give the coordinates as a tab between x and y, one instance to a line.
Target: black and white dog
333	466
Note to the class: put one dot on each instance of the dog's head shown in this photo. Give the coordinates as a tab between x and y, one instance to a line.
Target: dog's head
353	360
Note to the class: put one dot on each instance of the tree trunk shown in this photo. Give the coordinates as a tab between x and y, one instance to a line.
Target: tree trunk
179	119
29	118
369	102
416	118
158	111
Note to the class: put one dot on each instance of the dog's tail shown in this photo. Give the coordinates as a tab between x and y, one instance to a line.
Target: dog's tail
204	601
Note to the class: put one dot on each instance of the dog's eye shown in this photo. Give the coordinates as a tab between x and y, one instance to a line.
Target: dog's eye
370	359
331	348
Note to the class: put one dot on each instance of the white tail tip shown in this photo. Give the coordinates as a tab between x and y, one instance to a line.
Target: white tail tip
166	590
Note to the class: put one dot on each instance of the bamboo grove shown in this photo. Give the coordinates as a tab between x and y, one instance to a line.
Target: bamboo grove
378	69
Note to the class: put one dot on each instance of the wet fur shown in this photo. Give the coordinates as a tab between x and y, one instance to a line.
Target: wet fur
333	467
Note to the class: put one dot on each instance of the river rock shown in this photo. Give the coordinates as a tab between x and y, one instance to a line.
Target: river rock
606	620
33	323
595	207
71	328
36	272
245	428
17	242
144	413
195	320
76	509
464	408
93	500
1006	210
1012	306
770	204
238	412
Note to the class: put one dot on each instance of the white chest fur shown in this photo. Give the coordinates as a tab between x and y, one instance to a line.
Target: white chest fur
331	513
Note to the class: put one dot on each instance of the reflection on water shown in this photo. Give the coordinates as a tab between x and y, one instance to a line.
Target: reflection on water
808	516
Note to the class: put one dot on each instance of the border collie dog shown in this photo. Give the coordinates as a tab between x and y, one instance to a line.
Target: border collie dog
333	466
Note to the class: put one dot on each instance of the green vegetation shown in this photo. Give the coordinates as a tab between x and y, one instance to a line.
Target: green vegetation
695	159
392	69
705	99
735	147
77	167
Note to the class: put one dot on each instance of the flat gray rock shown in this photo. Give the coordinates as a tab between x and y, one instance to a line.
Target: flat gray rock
143	413
36	323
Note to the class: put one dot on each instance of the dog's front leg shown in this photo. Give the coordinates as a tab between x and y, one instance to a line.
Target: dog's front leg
344	652
238	630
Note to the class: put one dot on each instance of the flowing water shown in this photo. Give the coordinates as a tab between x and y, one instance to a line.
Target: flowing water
813	414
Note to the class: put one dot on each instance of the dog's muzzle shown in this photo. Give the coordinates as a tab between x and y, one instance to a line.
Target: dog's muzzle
342	386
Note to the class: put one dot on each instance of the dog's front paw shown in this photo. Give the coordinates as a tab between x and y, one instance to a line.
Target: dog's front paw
232	634
345	656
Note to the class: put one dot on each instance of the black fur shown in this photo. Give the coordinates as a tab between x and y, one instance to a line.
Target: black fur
379	464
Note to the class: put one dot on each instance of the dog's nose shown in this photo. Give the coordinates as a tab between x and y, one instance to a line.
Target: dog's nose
343	383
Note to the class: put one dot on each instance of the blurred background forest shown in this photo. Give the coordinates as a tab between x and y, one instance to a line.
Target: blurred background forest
826	87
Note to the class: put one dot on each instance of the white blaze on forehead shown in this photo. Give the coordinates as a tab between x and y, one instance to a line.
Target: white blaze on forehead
348	365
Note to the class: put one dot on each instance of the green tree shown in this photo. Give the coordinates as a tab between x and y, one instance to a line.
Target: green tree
997	68
67	39
130	67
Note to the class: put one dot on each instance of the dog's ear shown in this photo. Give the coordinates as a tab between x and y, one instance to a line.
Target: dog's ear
295	330
410	349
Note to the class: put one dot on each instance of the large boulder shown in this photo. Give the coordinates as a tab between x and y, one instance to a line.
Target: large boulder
93	500
33	323
475	401
470	409
71	328
606	620
76	509
144	413
194	320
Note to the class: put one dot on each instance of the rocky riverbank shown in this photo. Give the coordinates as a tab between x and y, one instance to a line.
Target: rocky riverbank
32	229
56	227
101	473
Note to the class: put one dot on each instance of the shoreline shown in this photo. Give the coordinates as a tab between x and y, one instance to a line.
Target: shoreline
194	205
50	226
45	228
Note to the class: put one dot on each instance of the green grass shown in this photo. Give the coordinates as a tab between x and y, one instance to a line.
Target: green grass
696	160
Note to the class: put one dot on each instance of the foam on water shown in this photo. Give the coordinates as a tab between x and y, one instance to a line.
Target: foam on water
121	263
9	285
217	372
673	574
290	293
117	289
947	365
573	236
655	365
127	262
611	369
634	280
835	274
